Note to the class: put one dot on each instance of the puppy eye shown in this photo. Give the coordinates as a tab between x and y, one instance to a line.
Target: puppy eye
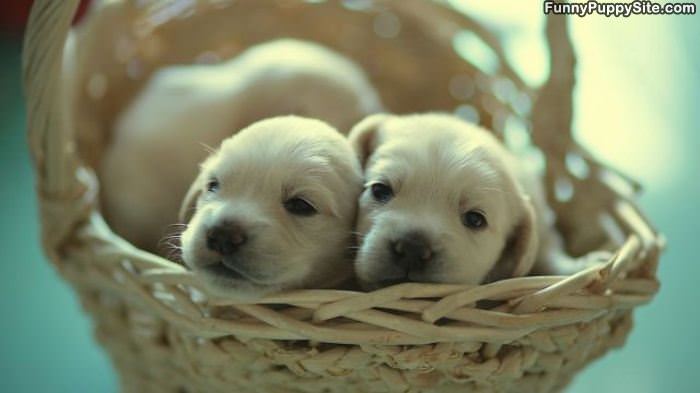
474	219
213	185
299	207
382	192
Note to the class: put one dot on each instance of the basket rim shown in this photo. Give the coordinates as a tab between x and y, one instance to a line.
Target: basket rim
529	304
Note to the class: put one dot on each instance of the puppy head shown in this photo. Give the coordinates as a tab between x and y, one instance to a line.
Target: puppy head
440	204
306	79
273	209
334	99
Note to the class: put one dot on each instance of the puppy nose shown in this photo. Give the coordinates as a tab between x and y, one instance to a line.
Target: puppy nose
411	252
225	238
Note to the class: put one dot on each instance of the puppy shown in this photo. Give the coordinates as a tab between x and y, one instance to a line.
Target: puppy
274	209
445	202
158	141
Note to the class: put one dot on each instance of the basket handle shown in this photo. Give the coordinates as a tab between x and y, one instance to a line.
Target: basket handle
551	129
50	137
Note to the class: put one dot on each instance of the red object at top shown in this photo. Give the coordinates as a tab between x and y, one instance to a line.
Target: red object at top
14	14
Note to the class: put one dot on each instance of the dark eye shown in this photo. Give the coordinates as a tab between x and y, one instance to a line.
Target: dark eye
382	192
299	207
213	185
474	219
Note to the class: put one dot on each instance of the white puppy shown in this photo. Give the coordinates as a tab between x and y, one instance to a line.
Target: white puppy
157	141
275	209
445	202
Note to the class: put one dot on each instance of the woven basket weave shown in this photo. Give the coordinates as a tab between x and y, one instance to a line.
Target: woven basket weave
166	334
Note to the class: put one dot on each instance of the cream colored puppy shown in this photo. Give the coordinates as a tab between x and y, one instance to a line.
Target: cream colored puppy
274	209
445	202
158	141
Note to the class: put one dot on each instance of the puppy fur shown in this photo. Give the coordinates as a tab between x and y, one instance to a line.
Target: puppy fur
257	172
438	169
159	140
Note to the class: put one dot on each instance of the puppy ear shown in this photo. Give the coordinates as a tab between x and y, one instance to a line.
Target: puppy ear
190	201
518	255
363	136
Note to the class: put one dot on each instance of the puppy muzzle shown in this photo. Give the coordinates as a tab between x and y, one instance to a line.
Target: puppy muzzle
226	238
411	253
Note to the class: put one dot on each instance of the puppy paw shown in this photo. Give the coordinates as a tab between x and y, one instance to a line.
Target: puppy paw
594	258
561	264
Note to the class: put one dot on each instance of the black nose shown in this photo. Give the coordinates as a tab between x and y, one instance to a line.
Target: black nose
412	252
225	238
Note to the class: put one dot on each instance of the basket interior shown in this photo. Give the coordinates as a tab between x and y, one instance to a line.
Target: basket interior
411	50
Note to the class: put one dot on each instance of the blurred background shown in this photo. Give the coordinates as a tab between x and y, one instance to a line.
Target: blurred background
636	108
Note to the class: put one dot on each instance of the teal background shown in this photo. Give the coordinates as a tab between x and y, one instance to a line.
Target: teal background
637	107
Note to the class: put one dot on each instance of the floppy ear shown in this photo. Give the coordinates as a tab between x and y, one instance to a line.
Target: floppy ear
190	201
363	136
518	255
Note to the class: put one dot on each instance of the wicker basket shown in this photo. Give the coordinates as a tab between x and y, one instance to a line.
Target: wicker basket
166	334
